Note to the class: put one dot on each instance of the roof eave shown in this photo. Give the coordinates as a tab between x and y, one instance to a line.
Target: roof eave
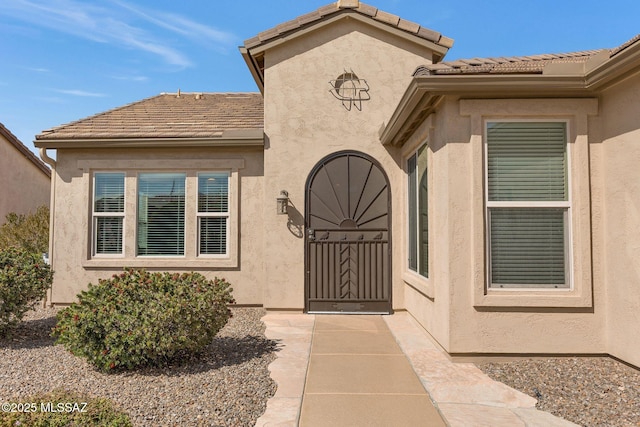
421	98
13	140
617	68
254	68
252	138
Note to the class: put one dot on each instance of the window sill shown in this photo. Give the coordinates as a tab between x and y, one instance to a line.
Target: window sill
560	298
419	283
161	263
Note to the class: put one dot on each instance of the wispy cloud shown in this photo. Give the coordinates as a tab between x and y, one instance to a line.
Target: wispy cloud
180	25
38	70
78	92
131	78
118	23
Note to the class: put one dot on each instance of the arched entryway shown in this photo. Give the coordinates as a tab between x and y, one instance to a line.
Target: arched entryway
348	236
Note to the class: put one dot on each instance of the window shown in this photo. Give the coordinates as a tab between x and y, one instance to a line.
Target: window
161	212
108	213
418	218
213	213
527	204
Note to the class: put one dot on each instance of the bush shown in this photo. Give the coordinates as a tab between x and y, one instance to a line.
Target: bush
24	280
97	412
29	232
140	319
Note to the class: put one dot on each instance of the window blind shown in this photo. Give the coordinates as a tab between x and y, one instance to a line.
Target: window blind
213	212
527	247
161	213
423	226
413	213
108	211
527	161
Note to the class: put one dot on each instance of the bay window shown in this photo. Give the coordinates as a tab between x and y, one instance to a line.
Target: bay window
528	207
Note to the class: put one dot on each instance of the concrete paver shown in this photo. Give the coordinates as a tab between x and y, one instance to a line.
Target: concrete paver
359	376
359	370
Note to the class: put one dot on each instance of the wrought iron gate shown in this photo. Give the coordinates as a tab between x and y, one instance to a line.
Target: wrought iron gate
348	236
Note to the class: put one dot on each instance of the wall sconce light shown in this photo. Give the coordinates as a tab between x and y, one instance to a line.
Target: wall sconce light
283	202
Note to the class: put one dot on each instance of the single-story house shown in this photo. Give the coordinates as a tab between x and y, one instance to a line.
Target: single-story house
497	200
25	181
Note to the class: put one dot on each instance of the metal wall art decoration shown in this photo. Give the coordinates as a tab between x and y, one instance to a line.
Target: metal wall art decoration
350	89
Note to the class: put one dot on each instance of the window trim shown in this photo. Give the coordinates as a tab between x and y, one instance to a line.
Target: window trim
199	215
95	215
190	166
566	205
577	112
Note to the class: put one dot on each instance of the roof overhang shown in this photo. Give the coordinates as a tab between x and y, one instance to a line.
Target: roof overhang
424	93
620	66
243	138
556	81
254	55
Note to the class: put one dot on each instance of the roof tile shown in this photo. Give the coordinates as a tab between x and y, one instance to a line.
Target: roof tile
364	9
533	64
387	18
328	9
428	34
188	115
410	26
367	9
309	17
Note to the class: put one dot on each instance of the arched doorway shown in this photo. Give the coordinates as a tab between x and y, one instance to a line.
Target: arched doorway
348	236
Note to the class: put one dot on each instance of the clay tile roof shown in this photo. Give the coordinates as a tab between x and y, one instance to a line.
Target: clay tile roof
363	9
13	140
625	45
504	65
185	115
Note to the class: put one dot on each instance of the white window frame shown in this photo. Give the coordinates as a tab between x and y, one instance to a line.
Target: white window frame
565	205
95	215
227	215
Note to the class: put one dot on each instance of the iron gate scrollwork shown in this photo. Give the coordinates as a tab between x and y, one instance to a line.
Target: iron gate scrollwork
348	236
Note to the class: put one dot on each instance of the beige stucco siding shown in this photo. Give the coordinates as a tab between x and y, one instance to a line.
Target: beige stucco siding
304	122
461	314
23	186
73	262
620	149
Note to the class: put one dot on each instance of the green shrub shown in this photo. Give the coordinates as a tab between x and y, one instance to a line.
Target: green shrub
24	280
29	232
140	319
89	412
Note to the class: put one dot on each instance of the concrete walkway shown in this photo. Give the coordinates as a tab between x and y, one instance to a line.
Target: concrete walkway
338	370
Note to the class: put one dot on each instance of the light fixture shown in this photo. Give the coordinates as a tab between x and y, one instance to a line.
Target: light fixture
282	202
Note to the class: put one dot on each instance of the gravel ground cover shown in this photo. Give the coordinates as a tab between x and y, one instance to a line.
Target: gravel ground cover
589	391
228	385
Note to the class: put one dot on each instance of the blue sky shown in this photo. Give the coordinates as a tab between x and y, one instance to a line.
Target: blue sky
62	60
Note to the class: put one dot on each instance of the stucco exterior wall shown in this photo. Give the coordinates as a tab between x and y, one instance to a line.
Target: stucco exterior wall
23	186
304	122
71	258
462	314
620	217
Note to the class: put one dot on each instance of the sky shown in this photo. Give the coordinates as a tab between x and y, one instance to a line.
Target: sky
63	60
